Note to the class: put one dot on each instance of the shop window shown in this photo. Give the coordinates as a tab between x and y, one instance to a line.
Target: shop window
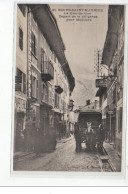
33	44
20	38
22	9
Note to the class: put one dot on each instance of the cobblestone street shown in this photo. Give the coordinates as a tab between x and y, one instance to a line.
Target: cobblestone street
64	158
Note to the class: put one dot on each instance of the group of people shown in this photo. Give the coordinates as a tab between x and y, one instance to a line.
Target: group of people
90	137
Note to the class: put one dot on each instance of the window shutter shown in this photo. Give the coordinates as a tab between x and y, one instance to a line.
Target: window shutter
20	38
32	85
37	88
42	59
32	42
24	83
35	47
121	111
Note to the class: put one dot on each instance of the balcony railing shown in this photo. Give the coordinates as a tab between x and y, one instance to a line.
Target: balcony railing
101	83
47	71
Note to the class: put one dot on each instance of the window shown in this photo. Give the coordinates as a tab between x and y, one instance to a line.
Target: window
34	87
120	114
45	93
55	100
20	38
58	103
22	9
37	87
21	86
33	44
42	59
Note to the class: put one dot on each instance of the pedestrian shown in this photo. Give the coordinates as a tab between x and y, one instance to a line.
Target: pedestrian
77	135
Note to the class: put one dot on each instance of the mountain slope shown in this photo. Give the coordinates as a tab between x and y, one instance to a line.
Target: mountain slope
84	90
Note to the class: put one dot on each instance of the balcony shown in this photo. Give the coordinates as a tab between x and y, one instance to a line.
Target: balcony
58	89
101	83
47	71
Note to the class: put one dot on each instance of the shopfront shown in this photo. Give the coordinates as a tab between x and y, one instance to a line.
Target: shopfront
20	118
46	118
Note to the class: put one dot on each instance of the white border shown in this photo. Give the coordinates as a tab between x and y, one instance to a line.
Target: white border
50	178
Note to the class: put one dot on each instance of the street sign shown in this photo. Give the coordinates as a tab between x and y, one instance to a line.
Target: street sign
110	112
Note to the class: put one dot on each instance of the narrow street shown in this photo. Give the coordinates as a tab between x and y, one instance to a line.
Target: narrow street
64	158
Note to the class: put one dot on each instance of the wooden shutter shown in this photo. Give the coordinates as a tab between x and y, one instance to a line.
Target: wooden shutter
42	59
37	88
32	86
120	119
35	46
24	83
32	42
20	38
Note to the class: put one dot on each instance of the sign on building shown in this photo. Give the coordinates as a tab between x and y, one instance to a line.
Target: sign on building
101	83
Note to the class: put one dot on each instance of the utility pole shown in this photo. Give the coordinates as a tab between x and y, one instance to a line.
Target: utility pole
97	62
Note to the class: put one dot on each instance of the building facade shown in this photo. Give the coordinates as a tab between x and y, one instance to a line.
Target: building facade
20	77
44	81
113	57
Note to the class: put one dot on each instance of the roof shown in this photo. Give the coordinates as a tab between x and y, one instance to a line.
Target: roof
84	110
49	28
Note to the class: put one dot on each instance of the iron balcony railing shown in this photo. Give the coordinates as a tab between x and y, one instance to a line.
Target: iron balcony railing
47	72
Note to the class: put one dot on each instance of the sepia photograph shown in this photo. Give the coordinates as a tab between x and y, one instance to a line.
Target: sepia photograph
69	80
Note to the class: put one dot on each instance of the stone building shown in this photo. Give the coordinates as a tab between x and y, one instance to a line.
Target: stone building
20	77
47	81
113	57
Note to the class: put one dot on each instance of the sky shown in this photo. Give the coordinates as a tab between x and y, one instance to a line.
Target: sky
82	38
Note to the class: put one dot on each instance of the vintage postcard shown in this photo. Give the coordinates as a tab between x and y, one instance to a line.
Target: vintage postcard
69	84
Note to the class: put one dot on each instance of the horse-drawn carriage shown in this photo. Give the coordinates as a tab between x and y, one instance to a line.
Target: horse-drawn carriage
89	131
